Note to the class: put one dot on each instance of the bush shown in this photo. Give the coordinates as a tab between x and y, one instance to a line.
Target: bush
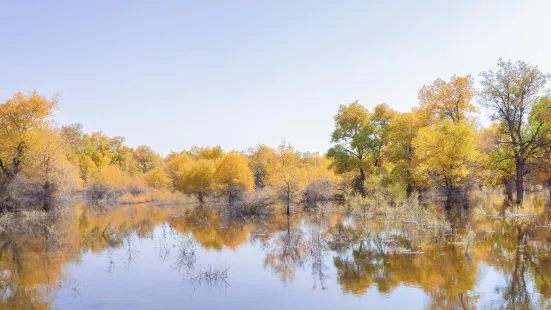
319	192
23	193
254	203
97	193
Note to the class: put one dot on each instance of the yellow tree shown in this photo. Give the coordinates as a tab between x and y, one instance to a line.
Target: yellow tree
197	178
233	175
207	152
175	166
259	159
157	178
448	100
445	153
317	168
49	166
146	159
286	173
20	118
403	131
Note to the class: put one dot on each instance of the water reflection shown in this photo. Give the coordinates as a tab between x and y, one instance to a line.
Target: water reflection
449	261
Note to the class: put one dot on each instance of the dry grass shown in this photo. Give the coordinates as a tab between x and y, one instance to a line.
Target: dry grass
159	197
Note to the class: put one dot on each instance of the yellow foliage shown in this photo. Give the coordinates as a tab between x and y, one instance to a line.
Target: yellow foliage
20	119
287	168
175	167
444	153
318	168
114	177
157	178
48	161
233	171
448	100
197	178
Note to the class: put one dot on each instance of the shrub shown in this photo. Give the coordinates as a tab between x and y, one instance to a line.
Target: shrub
254	203
319	192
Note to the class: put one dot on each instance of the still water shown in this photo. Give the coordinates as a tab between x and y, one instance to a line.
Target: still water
151	257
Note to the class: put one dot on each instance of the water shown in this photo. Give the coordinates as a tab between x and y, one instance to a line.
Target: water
147	257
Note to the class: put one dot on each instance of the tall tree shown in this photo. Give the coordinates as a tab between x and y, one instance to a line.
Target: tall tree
360	139
513	93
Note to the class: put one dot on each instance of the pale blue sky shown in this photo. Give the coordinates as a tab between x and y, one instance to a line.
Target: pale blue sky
173	74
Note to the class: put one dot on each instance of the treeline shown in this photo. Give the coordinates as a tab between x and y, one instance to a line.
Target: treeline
43	165
438	145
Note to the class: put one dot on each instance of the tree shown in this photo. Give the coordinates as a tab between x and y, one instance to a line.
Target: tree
157	178
259	159
403	131
197	178
513	94
448	100
233	175
146	159
445	153
49	167
20	117
207	152
286	173
498	165
360	139
176	164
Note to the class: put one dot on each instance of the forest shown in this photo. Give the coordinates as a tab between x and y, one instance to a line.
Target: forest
441	148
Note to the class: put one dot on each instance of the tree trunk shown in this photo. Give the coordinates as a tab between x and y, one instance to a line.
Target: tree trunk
520	180
509	189
288	199
46	204
409	190
361	183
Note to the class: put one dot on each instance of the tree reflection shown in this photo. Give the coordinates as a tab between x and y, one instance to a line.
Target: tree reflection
383	252
286	251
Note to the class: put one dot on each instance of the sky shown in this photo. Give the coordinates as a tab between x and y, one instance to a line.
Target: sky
174	74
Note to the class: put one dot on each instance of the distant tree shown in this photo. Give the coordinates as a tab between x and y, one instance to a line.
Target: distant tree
146	159
207	152
233	175
286	173
197	178
175	166
513	93
259	159
157	178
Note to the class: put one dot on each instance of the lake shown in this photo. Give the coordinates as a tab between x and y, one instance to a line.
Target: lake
155	257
